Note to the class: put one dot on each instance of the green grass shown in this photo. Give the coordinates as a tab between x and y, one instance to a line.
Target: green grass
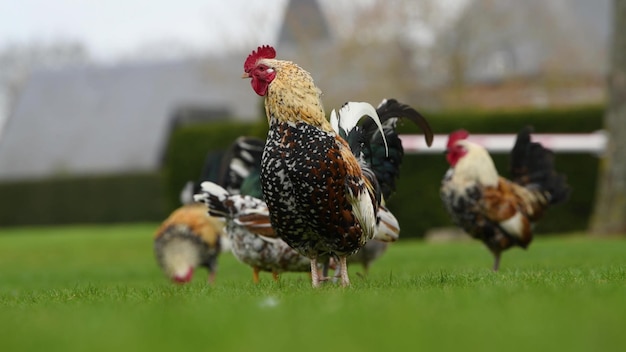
97	288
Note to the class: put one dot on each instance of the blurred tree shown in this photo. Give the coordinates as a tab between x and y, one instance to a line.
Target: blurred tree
609	215
501	41
368	52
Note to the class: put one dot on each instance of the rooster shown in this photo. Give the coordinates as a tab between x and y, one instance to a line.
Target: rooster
248	227
188	238
323	198
495	210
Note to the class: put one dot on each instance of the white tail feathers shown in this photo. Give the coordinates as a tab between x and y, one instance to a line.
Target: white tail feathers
242	210
388	229
351	113
210	188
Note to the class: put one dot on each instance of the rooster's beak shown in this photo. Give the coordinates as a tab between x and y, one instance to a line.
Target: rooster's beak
245	75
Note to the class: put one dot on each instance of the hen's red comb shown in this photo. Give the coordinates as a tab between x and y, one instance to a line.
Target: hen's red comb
457	136
262	52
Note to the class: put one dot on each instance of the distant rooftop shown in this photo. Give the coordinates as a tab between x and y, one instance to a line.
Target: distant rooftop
304	21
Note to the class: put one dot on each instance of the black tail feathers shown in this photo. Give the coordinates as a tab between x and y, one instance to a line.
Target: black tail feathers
386	163
390	108
241	160
236	169
532	165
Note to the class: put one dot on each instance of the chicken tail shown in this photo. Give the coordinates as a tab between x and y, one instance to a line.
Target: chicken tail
380	149
241	164
242	210
388	228
532	166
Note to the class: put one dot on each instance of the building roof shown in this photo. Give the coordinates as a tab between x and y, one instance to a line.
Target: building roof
110	120
303	21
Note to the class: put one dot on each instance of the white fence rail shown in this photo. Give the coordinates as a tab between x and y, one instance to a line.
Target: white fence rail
594	143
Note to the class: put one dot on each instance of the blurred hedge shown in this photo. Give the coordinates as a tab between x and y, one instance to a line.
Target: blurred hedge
106	199
417	204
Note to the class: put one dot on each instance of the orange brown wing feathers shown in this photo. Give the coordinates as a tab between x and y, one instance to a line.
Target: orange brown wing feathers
510	202
199	222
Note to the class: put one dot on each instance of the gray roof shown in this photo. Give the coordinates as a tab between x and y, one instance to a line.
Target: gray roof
95	120
303	21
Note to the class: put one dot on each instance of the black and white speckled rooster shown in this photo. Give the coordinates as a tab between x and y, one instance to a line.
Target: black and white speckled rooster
323	199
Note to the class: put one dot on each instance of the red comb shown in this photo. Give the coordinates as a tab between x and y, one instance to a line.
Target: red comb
457	136
262	52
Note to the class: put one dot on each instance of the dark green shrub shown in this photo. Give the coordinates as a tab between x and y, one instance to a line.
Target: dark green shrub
106	199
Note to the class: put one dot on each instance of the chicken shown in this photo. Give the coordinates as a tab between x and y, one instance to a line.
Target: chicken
323	200
248	227
497	211
251	236
188	238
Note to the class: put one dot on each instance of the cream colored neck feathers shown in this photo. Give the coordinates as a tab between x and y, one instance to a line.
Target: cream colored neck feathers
475	166
293	97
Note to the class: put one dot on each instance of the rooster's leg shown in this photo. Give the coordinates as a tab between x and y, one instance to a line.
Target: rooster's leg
315	276
496	262
343	269
255	274
366	270
211	279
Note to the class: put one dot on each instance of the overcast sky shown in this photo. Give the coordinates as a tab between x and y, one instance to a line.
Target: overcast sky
113	28
118	29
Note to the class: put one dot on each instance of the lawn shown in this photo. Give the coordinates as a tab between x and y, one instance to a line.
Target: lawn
97	288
